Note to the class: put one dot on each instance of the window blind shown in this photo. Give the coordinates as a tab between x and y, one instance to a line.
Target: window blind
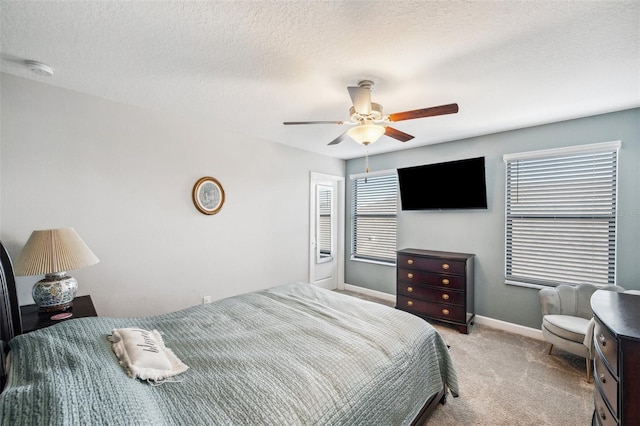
374	212
561	216
324	210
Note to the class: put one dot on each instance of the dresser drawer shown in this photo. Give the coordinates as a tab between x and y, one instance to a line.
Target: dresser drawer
410	276
431	294
602	413
434	310
607	345
617	341
606	384
431	264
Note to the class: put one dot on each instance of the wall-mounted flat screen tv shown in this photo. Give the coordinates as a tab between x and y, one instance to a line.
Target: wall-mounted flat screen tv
457	184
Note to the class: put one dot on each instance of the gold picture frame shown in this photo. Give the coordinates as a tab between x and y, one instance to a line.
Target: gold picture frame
208	195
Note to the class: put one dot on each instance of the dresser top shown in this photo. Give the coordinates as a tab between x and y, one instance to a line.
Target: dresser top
620	312
433	253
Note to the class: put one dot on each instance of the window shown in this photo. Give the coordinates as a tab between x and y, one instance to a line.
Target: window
324	220
374	212
561	216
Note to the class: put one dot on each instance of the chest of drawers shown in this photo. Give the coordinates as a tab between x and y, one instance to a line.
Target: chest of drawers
617	359
436	286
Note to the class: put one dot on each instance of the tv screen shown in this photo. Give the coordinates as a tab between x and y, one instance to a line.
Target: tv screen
452	185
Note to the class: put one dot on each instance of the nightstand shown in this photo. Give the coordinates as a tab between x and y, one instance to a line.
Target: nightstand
32	319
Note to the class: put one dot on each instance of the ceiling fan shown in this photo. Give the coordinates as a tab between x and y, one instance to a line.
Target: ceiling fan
370	123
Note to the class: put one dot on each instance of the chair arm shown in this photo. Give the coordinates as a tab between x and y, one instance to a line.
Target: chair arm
588	337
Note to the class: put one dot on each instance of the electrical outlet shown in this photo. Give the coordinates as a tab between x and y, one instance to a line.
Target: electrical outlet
206	299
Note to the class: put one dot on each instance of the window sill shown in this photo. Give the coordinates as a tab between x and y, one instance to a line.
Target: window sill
526	285
375	262
539	286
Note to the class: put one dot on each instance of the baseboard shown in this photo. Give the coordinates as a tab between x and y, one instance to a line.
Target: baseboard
479	319
509	327
368	292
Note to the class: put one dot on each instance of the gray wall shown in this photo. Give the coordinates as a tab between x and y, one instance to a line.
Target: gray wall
122	177
482	231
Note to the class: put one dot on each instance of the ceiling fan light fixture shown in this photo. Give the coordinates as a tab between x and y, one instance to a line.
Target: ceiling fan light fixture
366	134
366	117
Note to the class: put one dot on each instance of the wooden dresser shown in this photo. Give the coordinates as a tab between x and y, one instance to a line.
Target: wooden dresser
436	286
617	360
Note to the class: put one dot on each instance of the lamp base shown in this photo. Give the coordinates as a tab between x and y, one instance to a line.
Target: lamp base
55	292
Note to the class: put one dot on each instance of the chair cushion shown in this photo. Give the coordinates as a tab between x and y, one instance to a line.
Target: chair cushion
567	300
566	326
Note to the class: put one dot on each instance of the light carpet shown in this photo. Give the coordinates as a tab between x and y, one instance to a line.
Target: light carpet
508	379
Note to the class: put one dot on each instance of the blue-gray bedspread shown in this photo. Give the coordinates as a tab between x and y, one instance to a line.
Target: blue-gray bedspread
289	355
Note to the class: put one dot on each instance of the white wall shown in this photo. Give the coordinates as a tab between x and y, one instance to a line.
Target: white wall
122	177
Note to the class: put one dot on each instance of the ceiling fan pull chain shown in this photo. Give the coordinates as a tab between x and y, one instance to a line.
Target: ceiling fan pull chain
366	168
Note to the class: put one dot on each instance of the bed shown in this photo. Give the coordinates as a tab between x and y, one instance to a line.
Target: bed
289	355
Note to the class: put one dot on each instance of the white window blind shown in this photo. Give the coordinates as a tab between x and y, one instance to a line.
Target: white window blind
561	216
374	212
324	210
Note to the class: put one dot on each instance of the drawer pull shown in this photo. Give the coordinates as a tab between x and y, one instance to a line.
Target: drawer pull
603	340
410	289
445	281
409	303
410	262
409	275
602	378
602	415
445	312
445	296
445	266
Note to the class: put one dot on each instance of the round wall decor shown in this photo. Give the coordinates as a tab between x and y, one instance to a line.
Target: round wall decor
208	195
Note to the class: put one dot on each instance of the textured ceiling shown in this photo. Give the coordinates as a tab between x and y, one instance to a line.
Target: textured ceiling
247	66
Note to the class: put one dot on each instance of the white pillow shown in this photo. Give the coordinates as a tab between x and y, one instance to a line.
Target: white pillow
143	354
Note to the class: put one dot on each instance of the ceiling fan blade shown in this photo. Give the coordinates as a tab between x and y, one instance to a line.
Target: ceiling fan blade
397	134
289	123
338	139
361	99
424	112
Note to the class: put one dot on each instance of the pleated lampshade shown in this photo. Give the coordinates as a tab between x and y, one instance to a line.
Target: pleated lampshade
52	252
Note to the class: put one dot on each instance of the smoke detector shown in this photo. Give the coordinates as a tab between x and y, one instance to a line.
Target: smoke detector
39	68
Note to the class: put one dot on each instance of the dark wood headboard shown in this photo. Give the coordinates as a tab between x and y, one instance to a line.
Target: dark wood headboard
10	323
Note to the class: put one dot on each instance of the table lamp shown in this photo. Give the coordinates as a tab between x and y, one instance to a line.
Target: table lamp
52	252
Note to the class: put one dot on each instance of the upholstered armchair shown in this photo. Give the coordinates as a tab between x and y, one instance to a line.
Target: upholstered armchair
567	319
